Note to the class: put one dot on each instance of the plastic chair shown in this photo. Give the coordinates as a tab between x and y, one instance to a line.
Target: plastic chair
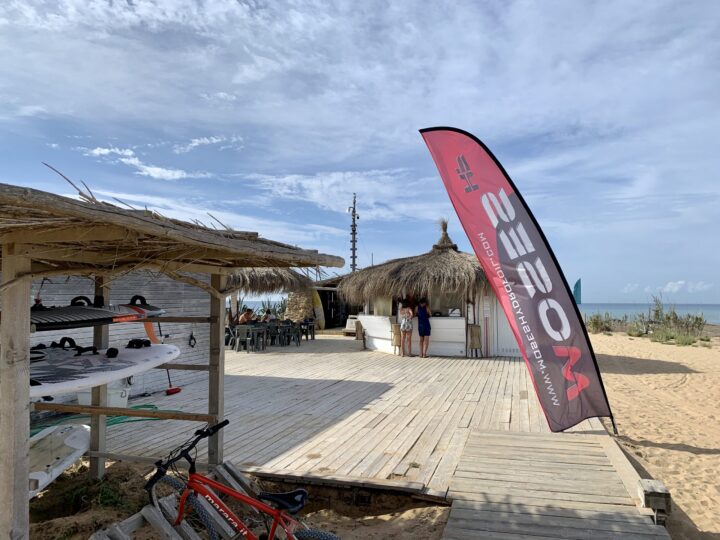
242	338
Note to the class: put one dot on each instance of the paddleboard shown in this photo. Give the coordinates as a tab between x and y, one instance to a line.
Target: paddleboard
59	371
81	313
318	310
52	451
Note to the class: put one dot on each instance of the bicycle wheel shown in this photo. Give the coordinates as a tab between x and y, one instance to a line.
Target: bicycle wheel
313	534
203	521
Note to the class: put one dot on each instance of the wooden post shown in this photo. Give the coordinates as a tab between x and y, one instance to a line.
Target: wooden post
98	422
216	383
14	397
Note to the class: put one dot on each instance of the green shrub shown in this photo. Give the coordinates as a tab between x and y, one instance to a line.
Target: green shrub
662	335
704	338
597	323
684	340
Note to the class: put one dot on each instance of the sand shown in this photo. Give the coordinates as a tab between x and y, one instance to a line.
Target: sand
666	402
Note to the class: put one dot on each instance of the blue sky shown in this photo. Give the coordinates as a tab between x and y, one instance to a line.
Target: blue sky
269	115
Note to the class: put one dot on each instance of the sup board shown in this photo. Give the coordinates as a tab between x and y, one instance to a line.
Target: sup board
52	451
318	310
77	316
59	371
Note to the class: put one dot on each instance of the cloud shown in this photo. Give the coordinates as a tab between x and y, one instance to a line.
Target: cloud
218	97
673	286
100	151
388	195
699	286
186	209
630	287
128	157
234	142
31	110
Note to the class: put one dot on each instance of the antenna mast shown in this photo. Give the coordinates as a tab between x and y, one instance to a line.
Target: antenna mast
352	210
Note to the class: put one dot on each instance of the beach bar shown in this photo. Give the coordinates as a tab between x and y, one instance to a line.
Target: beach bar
467	317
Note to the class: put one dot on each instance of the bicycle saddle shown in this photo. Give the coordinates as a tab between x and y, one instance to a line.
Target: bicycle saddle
292	501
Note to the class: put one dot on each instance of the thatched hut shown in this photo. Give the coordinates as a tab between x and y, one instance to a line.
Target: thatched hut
457	291
265	281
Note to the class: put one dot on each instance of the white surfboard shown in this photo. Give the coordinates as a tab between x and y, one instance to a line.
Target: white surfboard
61	372
52	451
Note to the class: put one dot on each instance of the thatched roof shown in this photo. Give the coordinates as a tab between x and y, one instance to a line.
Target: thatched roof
69	236
443	267
267	281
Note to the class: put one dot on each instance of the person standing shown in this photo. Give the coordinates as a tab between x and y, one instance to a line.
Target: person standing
406	328
423	315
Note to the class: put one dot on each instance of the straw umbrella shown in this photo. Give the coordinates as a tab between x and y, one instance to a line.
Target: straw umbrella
265	281
443	268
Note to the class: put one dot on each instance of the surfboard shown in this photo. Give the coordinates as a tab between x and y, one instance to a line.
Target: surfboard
318	310
60	371
52	451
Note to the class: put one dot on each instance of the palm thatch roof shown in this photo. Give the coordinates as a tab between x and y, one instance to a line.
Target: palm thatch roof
443	268
267	281
63	236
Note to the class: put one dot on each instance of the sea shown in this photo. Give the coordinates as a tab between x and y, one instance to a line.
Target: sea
711	312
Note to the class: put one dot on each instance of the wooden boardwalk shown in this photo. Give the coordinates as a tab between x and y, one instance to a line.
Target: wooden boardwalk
519	485
329	409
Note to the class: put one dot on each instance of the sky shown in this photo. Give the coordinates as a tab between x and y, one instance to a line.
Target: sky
269	115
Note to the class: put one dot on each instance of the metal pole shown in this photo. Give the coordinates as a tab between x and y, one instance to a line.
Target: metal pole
353	237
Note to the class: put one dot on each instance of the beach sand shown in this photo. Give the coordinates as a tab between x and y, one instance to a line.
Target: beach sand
666	402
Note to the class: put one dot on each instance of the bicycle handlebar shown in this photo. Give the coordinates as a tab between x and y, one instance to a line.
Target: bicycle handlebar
163	466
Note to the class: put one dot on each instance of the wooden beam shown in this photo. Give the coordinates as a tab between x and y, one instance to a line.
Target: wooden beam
185	367
98	397
121	411
14	397
69	234
163	320
113	456
216	380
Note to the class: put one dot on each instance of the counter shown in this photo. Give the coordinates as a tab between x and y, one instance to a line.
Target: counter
447	335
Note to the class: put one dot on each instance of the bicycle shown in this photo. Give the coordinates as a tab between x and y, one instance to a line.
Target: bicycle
275	513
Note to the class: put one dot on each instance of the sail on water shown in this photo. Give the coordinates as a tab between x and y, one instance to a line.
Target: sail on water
525	276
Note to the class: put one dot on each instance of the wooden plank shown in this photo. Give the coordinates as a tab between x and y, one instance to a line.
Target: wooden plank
216	382
98	395
14	395
159	523
169	507
121	411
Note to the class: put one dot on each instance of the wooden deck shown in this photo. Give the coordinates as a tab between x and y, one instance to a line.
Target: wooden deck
519	485
330	410
328	407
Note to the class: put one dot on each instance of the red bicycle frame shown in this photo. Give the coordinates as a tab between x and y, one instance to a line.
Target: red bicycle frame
199	484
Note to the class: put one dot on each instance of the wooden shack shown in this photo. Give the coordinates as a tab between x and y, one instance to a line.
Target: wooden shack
44	236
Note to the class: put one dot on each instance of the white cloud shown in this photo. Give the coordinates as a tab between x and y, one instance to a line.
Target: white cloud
128	157
389	195
698	286
218	97
31	110
100	151
673	286
234	142
273	229
630	287
53	145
